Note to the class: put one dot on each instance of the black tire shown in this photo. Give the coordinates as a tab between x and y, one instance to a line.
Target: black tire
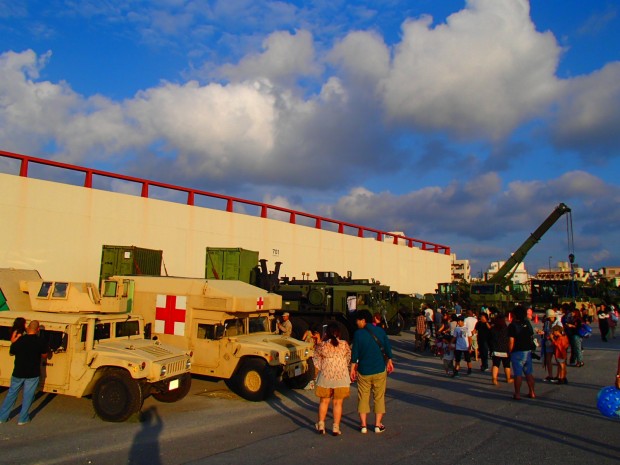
396	325
116	396
185	383
254	380
301	381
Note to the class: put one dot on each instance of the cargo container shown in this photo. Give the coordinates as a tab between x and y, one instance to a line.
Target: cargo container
119	260
231	263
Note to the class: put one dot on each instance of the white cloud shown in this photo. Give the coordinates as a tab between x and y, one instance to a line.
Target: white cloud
588	114
481	74
213	128
286	58
363	56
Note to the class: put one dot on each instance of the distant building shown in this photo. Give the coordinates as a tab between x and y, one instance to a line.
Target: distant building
562	271
461	269
520	276
610	272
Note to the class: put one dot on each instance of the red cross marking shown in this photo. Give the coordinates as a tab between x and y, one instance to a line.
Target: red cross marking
170	314
259	303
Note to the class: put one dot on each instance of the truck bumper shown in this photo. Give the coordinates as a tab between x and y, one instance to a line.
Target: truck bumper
295	369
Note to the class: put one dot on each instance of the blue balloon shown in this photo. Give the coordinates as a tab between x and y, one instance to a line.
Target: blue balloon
608	402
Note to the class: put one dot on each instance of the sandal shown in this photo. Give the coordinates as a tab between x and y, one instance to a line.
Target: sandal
336	430
320	427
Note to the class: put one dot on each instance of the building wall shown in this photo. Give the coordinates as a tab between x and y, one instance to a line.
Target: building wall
59	230
461	269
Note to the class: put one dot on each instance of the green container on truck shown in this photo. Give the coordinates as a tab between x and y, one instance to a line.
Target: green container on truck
231	264
122	260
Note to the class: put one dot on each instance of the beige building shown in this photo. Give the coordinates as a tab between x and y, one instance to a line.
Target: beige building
59	229
461	269
520	275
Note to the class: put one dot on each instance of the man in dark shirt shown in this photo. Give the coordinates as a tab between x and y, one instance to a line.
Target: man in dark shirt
28	350
520	335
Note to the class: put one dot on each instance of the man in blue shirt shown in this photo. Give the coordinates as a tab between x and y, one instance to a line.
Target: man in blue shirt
371	361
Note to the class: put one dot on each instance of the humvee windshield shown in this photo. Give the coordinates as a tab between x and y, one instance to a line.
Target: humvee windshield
259	324
121	329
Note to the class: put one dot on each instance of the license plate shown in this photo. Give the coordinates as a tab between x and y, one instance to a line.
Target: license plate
297	370
174	384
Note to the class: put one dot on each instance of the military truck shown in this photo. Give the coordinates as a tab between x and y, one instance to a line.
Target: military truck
329	298
225	325
497	291
334	298
95	350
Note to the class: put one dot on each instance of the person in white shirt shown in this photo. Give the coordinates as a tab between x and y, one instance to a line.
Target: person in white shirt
462	342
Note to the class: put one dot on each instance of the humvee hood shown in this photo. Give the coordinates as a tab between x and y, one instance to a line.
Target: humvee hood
141	349
267	340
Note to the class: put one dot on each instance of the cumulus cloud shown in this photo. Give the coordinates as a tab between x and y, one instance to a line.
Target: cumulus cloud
588	114
474	216
480	74
286	58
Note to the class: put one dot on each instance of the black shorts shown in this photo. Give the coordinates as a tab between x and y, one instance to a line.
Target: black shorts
505	361
466	354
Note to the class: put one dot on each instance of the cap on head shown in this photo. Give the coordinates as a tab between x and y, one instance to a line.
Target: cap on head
550	313
286	314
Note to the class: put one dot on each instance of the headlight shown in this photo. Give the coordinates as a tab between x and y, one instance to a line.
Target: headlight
306	352
287	357
188	364
163	371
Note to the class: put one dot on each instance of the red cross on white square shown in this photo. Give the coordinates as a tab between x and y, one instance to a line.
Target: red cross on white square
259	303
170	314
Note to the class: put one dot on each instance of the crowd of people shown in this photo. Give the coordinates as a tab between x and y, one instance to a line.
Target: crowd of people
492	338
511	341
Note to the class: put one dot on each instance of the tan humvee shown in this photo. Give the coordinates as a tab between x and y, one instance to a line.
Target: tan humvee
225	325
95	353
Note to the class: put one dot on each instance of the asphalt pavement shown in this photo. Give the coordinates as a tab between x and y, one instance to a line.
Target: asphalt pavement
431	419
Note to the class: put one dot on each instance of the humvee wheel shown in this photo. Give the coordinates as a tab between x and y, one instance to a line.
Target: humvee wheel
254	380
116	396
185	383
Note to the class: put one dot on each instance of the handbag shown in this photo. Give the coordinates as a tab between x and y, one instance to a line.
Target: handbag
585	330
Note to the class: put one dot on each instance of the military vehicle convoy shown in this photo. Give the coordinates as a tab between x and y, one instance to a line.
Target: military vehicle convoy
226	326
95	350
315	303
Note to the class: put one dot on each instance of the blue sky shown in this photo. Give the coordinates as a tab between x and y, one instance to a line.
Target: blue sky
458	122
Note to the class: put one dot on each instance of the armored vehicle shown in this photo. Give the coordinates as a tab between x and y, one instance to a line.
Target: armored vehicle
225	325
329	298
334	298
95	351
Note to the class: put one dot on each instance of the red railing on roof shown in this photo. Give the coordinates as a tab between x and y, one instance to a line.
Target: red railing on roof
319	221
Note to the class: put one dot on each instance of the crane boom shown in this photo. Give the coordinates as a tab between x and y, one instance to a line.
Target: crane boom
518	256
